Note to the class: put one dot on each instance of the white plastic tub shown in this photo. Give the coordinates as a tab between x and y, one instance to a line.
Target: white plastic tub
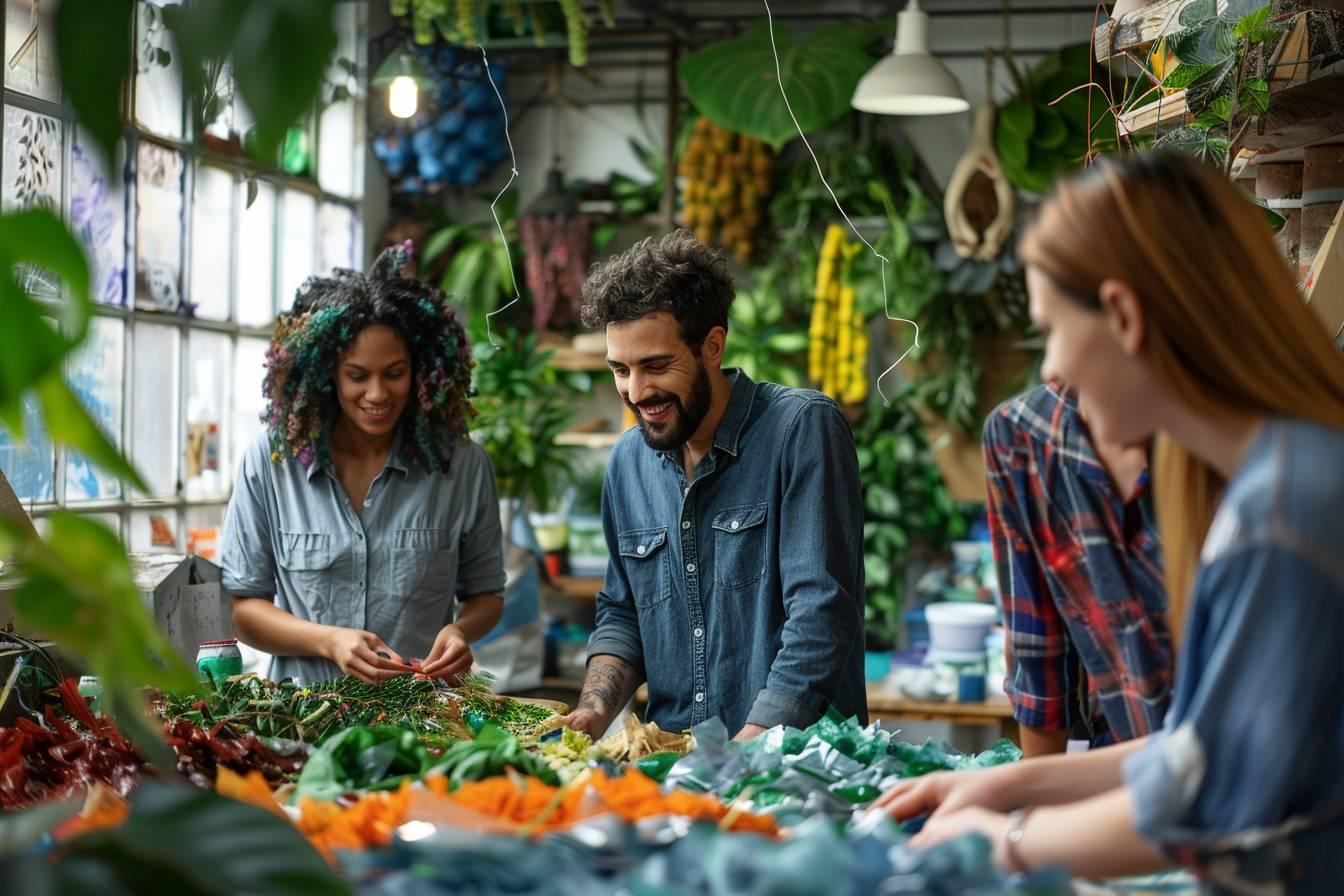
960	625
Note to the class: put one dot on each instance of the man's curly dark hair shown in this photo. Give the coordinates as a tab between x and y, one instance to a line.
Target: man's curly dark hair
677	274
328	313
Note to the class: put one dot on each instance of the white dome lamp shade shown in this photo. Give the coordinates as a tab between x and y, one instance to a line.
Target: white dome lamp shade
910	81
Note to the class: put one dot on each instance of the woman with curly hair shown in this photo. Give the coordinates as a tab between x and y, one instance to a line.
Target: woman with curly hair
364	508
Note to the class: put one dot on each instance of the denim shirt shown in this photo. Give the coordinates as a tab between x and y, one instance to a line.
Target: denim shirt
291	534
1243	781
739	594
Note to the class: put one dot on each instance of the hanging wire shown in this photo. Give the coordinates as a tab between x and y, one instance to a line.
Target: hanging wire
513	175
886	301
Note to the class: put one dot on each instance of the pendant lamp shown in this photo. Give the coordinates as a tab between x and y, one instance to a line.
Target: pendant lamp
910	81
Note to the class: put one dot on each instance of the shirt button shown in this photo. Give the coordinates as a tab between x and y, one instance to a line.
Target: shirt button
690	567
359	535
641	549
368	502
734	524
699	632
700	697
685	524
686	490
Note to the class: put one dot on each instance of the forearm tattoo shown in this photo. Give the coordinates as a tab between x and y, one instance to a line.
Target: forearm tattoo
605	689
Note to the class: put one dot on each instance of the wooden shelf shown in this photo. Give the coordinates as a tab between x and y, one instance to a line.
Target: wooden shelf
579	587
566	358
1135	31
1163	114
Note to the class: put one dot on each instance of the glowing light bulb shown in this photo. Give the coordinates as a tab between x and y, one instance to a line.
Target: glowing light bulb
403	97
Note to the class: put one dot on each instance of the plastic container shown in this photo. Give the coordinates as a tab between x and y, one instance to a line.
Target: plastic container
996	663
876	664
92	691
217	660
960	625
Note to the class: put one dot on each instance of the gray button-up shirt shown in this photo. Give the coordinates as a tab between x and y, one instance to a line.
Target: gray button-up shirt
290	533
740	593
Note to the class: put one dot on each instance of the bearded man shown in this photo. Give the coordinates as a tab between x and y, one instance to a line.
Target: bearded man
733	518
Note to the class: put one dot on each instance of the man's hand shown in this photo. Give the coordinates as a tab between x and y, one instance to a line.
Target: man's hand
943	793
590	721
363	655
449	658
750	732
951	825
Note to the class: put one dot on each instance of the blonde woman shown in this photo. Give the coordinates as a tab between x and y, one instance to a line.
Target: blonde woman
1167	307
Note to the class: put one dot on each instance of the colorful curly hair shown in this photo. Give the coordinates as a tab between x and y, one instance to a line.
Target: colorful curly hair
328	313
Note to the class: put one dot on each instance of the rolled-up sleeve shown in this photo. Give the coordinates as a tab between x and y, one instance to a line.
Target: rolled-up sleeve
247	558
1264	636
617	626
821	569
480	565
1040	656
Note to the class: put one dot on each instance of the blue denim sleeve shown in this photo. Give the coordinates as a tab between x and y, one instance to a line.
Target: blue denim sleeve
1252	739
821	569
246	555
617	625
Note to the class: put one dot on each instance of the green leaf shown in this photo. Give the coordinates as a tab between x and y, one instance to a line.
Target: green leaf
1250	25
442	240
1018	118
179	839
93	43
876	570
1195	142
1217	81
1051	131
463	276
881	501
787	342
78	590
278	76
734	83
1254	97
1184	75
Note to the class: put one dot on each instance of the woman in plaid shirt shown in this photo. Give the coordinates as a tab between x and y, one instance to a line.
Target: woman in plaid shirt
1080	576
1166	304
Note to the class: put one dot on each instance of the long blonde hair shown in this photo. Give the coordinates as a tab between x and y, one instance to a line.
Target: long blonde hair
1226	331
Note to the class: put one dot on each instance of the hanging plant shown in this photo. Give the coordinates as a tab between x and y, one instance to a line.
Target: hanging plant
733	82
472	22
1051	126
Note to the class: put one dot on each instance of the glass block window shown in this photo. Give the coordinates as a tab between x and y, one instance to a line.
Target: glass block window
255	273
158	228
30	49
97	375
193	248
98	216
211	238
159	108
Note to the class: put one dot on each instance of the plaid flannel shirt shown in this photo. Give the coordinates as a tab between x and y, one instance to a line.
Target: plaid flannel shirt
1080	577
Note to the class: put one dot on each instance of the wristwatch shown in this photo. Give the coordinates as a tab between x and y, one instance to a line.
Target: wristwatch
1017	824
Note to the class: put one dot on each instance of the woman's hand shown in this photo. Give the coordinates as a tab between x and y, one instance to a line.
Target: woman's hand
450	657
364	655
953	824
943	793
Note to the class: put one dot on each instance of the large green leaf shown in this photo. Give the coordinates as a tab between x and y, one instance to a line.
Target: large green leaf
78	589
95	36
1195	142
180	840
280	51
734	84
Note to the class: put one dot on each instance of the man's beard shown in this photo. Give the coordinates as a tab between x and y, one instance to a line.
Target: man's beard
688	416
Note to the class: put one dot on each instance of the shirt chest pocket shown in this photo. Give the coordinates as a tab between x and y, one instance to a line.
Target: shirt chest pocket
306	558
644	559
739	545
422	560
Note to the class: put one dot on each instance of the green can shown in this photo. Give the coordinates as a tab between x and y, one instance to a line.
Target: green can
217	660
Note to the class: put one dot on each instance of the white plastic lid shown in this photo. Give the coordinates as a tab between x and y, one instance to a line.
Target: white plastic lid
88	679
954	657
